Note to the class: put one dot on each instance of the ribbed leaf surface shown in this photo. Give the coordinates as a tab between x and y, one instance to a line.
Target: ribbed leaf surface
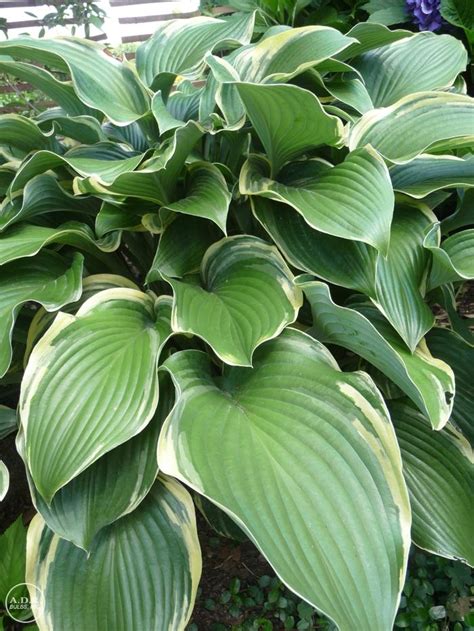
304	457
142	572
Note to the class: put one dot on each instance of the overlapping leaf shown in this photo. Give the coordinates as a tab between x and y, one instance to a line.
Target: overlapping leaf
149	561
317	484
77	384
453	259
246	296
428	173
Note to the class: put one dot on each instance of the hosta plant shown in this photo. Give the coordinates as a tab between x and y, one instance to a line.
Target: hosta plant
219	269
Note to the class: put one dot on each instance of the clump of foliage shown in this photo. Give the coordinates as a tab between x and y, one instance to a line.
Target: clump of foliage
234	247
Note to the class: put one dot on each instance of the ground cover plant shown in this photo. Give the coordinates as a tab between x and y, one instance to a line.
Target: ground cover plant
219	269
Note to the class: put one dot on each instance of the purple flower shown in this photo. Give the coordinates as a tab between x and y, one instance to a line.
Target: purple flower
426	14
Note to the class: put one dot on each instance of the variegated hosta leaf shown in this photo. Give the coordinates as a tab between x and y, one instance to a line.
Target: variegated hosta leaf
246	296
218	520
156	180
43	195
25	240
304	457
178	47
91	285
207	195
107	490
400	278
145	567
415	123
61	92
104	161
4	480
47	279
427	174
350	91
343	262
453	350
439	471
7	421
23	133
370	36
399	69
100	81
77	399
182	246
285	137
353	200
290	52
84	129
429	382
453	259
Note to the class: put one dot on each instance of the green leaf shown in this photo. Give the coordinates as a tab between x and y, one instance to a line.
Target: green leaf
429	382
427	174
100	81
84	129
23	133
285	137
7	421
25	240
48	279
207	195
104	161
4	480
458	12
452	260
61	92
415	123
353	200
179	48
182	246
369	36
453	350
279	57
316	482
401	277
347	263
157	178
106	491
149	561
218	520
438	468
386	12
77	400
399	69
246	296
43	195
12	557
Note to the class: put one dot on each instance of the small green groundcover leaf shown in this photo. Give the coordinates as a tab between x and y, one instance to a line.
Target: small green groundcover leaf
149	561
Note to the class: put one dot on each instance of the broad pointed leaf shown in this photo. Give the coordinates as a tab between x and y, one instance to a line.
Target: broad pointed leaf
207	195
353	200
399	69
23	133
49	280
77	398
246	296
452	260
347	263
370	36
285	137
107	490
427	174
416	123
25	240
149	561
429	382
179	48
317	480
453	350
182	246
100	81
7	421
439	470
12	557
